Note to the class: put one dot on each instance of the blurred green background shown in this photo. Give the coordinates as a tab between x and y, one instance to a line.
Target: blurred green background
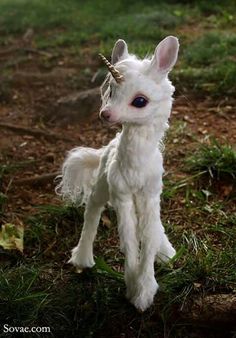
206	31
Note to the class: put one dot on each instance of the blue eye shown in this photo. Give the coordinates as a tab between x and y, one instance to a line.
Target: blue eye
139	102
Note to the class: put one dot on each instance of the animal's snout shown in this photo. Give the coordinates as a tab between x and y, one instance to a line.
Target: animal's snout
105	115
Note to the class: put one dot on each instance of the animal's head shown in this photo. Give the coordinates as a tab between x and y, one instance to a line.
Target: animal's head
138	91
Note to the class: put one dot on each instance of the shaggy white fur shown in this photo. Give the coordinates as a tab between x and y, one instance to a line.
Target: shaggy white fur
127	173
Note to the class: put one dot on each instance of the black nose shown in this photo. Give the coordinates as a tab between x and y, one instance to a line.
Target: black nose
105	114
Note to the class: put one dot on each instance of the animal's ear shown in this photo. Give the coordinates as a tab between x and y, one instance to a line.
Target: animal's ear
165	56
119	52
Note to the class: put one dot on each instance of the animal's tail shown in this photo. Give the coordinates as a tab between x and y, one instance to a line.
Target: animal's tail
79	172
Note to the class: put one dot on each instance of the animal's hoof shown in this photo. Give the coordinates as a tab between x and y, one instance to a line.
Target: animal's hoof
144	299
78	270
165	255
81	260
142	304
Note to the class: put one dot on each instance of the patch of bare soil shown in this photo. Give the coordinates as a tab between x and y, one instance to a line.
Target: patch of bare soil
208	117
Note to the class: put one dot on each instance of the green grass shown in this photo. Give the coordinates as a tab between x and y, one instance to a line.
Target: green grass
22	297
209	65
3	201
45	295
79	22
211	48
85	304
214	159
216	81
46	227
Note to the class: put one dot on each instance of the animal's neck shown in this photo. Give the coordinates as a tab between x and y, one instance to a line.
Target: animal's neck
138	143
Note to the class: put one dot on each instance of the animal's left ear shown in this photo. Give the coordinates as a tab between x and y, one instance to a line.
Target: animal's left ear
165	56
119	52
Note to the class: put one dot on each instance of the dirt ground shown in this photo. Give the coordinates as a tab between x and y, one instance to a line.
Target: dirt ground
31	85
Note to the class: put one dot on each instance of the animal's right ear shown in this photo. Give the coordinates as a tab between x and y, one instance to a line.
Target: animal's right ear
165	57
119	52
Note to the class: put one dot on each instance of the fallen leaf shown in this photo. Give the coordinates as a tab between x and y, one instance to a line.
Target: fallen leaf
197	285
226	190
11	236
106	221
188	119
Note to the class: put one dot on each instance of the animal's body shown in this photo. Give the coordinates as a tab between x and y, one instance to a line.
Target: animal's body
127	172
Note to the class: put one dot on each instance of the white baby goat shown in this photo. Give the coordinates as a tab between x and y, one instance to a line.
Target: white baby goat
127	172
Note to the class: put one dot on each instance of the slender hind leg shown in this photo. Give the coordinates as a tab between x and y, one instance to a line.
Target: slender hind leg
82	254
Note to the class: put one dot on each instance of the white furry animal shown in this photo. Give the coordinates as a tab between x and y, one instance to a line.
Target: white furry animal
127	172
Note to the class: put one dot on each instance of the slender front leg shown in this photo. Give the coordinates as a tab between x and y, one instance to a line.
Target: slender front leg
151	232
166	251
82	254
127	227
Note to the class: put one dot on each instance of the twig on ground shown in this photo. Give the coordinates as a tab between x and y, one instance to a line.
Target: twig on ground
217	308
38	180
6	52
48	135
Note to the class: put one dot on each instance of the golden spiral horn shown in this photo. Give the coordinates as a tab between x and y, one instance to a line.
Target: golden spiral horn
114	72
